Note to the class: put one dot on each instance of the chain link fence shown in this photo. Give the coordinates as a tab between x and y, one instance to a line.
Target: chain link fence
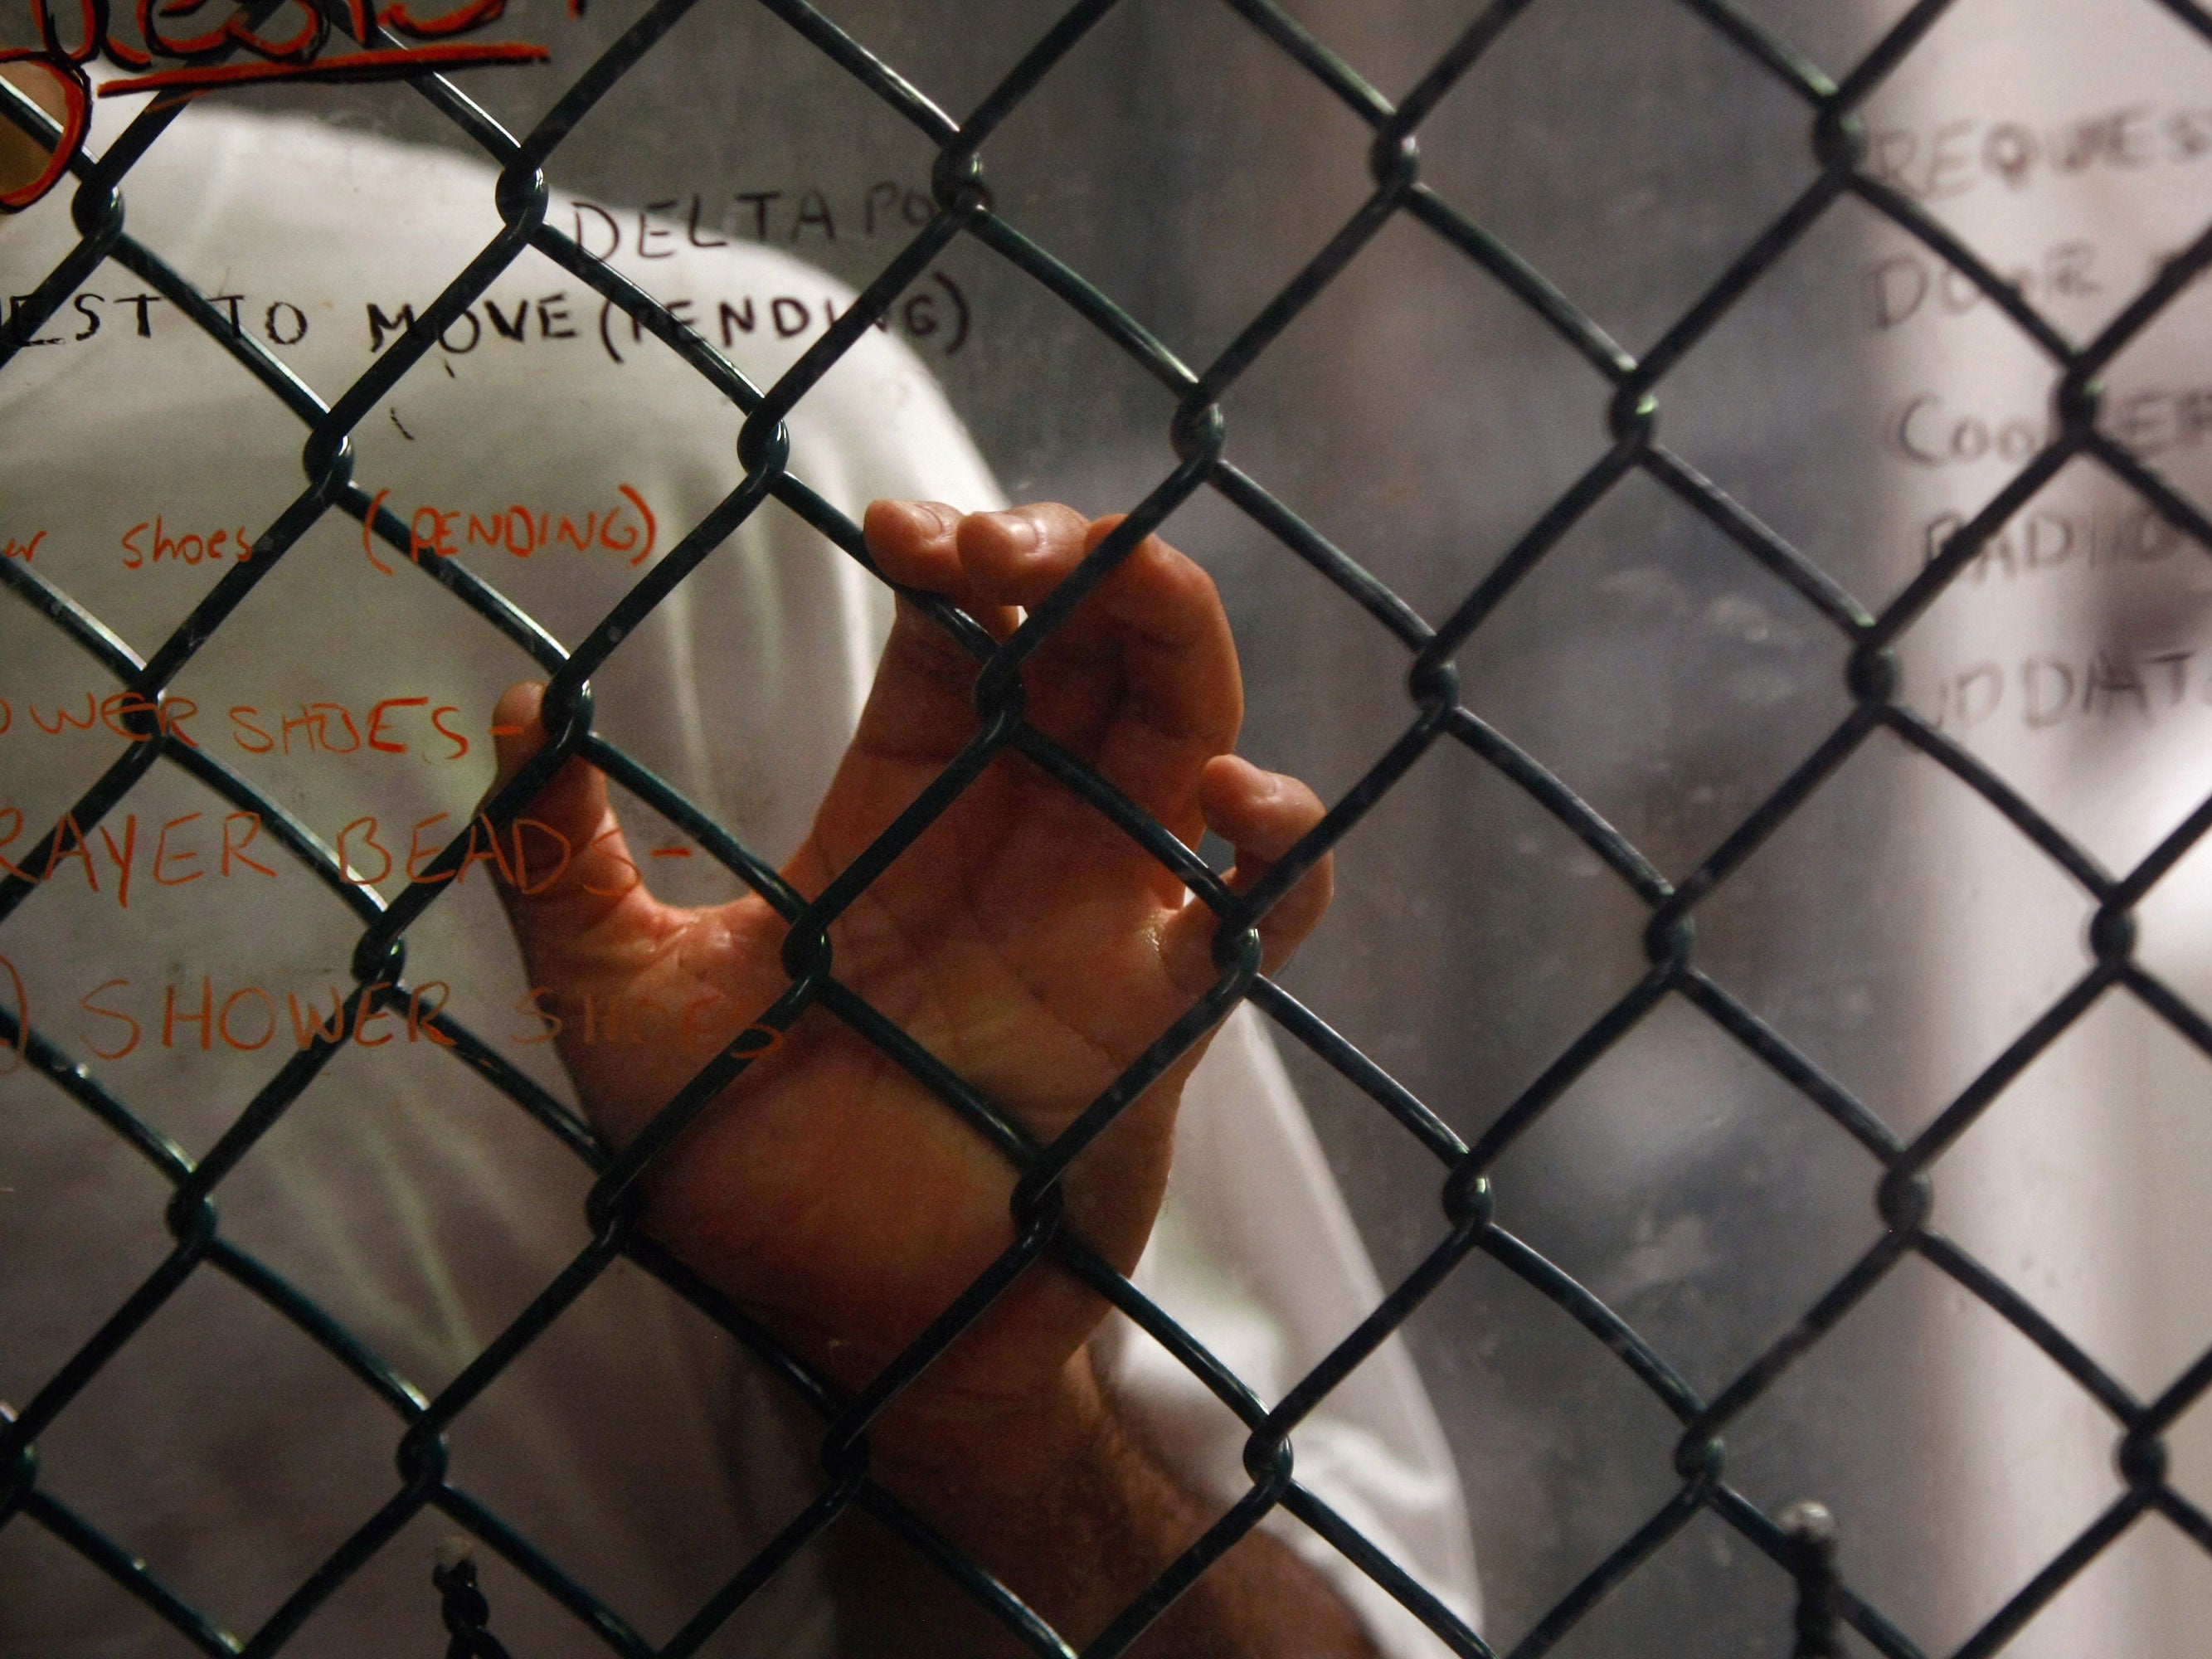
1799	1542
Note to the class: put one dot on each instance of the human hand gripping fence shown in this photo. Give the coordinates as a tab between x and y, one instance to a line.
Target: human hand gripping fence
834	1010
1023	940
1027	946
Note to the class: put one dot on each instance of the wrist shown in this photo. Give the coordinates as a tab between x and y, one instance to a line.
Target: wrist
963	1452
1043	1489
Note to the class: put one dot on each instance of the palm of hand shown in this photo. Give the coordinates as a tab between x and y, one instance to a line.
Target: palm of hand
1022	940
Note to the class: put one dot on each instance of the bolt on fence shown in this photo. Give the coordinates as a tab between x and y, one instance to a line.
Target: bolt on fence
1800	1542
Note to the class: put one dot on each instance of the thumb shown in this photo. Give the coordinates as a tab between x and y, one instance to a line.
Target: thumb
1263	815
571	868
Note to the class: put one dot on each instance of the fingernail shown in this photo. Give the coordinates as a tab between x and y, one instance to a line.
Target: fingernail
1021	529
928	515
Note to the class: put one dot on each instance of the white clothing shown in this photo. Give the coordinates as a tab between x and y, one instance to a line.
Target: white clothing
417	1204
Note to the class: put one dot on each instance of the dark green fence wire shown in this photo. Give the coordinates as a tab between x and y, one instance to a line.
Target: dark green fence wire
1630	409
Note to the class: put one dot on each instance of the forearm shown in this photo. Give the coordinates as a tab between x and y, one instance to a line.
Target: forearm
1070	1510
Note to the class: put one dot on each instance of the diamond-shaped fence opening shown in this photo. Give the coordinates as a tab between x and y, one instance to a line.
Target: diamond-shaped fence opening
1576	1123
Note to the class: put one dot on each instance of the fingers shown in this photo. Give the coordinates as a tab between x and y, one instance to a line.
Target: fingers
1263	815
1156	615
913	545
921	705
1142	678
1018	557
572	869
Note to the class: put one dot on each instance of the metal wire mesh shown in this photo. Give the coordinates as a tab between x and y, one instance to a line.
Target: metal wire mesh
1797	1542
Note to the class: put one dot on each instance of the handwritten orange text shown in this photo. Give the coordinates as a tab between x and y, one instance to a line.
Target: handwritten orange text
529	855
150	543
120	1016
175	854
626	526
417	726
201	56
